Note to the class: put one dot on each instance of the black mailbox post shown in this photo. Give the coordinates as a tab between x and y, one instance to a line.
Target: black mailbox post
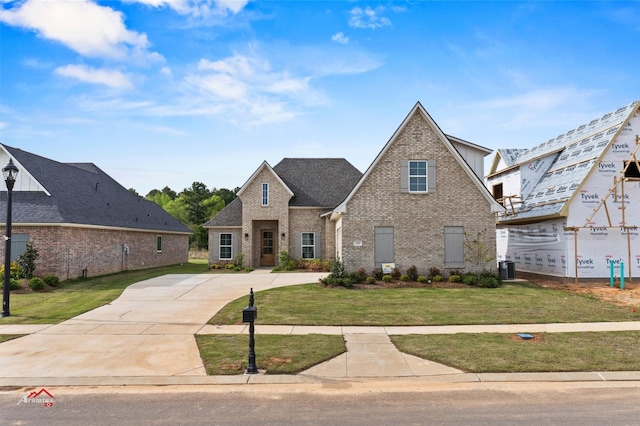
250	314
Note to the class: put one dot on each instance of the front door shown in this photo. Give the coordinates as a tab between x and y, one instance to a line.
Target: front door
267	249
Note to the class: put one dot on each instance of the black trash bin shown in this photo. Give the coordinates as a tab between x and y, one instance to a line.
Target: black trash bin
507	270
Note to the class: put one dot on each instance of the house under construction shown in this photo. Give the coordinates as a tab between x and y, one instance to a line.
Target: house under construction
573	202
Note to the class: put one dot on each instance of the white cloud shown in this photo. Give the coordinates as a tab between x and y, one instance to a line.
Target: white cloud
368	18
166	71
197	8
89	29
110	78
340	38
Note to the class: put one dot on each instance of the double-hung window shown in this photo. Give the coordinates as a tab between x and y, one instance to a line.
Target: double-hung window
308	245
265	194
225	246
418	176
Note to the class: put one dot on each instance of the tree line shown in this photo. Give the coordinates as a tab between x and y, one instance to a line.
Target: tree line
192	207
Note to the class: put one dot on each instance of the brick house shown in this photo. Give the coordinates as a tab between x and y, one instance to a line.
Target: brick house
82	222
412	206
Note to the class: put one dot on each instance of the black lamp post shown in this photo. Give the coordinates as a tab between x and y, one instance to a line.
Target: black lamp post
10	171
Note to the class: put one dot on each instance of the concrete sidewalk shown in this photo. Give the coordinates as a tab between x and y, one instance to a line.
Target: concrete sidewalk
146	337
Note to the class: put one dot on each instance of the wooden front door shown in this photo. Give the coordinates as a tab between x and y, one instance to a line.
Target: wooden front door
267	248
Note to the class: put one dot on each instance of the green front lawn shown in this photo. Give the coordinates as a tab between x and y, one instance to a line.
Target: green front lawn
514	303
276	354
507	353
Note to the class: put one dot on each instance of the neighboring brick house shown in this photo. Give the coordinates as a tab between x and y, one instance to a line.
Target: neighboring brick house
82	222
412	206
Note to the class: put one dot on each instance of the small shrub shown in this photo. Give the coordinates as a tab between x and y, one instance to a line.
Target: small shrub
14	284
229	266
404	277
361	274
237	268
469	278
371	280
387	278
337	269
412	272
377	273
489	280
36	284
51	280
437	278
355	278
433	272
395	274
276	269
239	260
248	269
287	263
454	278
27	261
422	279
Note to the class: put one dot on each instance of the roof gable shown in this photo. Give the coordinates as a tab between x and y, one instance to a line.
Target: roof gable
81	194
445	140
570	158
269	169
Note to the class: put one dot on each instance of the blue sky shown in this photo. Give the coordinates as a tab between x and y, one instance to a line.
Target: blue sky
167	92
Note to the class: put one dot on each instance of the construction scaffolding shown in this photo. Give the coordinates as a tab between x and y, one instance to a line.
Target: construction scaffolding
629	173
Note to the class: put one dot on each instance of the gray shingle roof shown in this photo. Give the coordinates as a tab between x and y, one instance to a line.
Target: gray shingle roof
315	182
230	216
318	182
81	193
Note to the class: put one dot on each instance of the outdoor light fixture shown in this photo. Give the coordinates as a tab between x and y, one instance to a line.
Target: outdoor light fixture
246	236
283	235
10	171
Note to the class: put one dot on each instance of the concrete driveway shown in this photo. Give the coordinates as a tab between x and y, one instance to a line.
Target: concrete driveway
148	331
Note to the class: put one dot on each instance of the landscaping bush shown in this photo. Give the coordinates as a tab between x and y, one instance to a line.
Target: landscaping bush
377	273
14	284
469	279
454	278
404	277
437	278
489	280
27	261
355	278
287	263
422	279
412	272
371	280
361	274
387	278
433	272
51	280
36	284
395	274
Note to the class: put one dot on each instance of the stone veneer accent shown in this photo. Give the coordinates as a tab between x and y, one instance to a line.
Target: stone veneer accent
66	251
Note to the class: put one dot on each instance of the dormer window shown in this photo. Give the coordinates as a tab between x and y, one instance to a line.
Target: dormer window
265	194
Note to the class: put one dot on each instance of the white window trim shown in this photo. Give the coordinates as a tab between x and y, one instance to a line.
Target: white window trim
425	176
230	245
303	245
265	194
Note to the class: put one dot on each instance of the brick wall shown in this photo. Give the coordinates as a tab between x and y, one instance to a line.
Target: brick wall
67	251
255	216
418	219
